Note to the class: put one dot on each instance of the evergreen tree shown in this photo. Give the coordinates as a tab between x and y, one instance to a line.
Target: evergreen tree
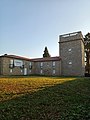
46	53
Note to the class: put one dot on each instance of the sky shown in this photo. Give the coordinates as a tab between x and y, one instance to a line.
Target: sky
27	26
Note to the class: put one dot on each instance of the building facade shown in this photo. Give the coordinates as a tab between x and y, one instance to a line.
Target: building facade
71	50
16	65
70	61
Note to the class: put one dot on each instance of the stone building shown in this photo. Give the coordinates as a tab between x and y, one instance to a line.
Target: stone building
70	61
16	65
71	51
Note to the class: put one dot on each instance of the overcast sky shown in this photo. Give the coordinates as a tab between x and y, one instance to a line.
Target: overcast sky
27	26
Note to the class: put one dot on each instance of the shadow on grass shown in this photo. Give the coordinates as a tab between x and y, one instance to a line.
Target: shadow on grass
67	101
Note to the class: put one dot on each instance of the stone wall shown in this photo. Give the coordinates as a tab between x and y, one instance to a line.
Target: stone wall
30	67
72	54
16	70
1	66
47	68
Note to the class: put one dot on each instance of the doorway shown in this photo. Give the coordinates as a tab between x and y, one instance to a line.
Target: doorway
25	71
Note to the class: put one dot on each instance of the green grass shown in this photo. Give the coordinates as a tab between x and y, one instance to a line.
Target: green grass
44	98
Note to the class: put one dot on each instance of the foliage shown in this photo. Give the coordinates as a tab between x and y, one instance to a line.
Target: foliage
44	98
46	53
87	41
87	51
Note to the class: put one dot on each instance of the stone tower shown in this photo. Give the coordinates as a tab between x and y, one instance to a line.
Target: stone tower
71	51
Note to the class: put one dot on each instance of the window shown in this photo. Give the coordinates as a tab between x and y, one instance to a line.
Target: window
11	70
70	63
53	64
54	71
41	71
70	50
11	65
18	63
41	64
11	61
30	65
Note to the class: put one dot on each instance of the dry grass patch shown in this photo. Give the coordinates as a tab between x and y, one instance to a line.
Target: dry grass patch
13	87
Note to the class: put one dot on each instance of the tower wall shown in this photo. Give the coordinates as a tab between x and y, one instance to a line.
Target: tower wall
71	51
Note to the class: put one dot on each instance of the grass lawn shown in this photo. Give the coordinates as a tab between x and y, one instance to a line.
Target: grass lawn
44	98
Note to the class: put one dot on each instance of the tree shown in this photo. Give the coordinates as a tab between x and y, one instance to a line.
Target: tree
87	52
46	53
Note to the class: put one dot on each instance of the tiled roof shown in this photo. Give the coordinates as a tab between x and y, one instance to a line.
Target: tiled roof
46	59
16	57
33	60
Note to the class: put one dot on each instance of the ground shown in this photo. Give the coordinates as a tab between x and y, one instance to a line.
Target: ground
44	98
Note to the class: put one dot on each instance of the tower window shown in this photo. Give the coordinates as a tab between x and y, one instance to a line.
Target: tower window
70	63
70	50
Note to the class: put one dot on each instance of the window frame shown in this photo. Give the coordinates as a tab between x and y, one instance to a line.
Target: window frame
54	71
53	63
41	71
11	70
